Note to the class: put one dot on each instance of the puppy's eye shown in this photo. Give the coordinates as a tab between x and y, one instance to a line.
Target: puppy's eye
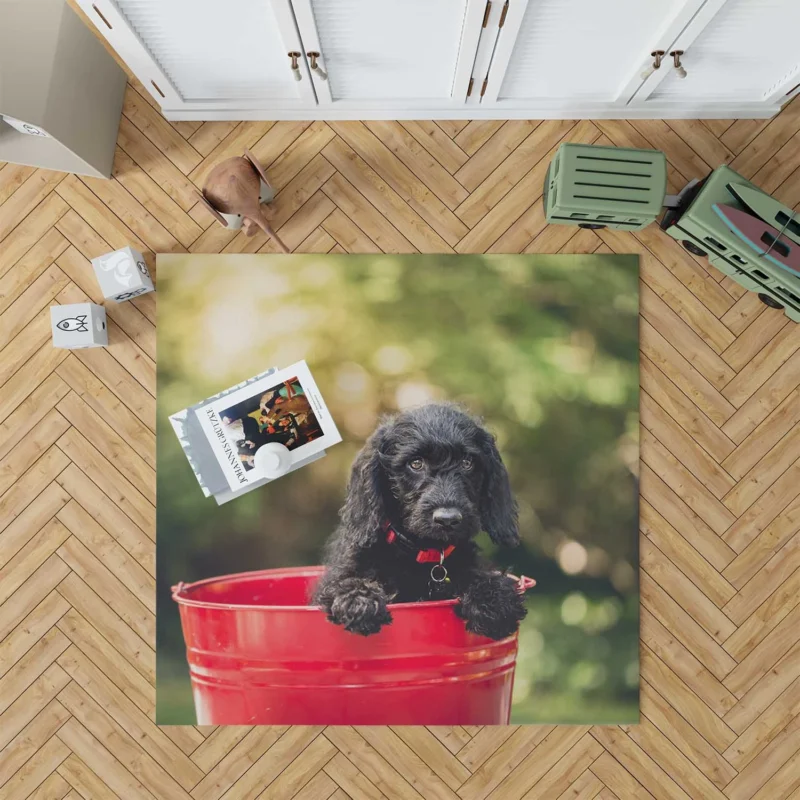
417	464
467	464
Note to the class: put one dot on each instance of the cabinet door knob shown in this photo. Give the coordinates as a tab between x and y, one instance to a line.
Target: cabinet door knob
657	56
676	57
315	68
295	65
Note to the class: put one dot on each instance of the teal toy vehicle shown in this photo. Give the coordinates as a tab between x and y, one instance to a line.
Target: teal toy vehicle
605	187
702	232
614	187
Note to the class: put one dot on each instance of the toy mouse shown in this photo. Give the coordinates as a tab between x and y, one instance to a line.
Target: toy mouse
233	193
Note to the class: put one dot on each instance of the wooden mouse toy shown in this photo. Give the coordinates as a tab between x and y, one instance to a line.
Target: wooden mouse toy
234	189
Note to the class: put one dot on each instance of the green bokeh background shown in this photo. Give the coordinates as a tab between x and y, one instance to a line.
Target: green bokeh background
544	348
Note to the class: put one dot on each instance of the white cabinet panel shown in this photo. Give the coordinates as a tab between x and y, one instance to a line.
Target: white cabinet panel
231	54
749	50
391	52
581	50
444	59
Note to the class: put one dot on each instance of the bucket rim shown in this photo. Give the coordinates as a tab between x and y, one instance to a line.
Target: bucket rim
180	588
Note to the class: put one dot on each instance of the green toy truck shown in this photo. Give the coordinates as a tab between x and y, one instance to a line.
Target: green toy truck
598	187
702	232
605	187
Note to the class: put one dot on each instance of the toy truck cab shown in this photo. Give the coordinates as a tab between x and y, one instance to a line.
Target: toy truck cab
703	232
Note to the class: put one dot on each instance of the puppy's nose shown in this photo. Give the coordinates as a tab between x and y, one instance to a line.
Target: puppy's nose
447	517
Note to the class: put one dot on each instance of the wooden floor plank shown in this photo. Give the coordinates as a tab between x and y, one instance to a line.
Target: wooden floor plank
12	176
493	152
106	475
437	143
685	737
685	413
31	230
757	609
675	583
764	401
769	724
18	279
475	133
719	470
25	199
159	131
91	606
672	761
111	518
153	161
420	162
302	150
155	199
685	449
426	222
767	508
503	196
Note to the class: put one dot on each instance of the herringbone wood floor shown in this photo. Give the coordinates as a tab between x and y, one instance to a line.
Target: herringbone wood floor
720	508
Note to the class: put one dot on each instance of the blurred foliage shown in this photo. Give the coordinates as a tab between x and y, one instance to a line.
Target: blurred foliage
544	348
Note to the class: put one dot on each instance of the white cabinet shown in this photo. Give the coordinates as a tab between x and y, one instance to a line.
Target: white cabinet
207	54
563	52
743	51
586	57
390	54
429	59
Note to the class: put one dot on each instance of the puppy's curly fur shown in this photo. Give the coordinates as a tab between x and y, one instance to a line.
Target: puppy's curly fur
437	476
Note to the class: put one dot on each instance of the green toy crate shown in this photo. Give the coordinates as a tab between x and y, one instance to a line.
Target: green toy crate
598	187
702	232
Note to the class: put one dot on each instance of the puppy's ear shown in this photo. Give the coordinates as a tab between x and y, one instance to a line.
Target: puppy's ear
363	511
498	506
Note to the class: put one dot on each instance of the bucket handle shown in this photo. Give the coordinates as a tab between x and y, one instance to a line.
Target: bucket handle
523	584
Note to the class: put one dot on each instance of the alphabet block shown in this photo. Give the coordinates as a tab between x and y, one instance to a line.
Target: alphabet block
122	274
78	325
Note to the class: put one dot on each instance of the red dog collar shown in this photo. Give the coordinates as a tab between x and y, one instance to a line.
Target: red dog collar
430	556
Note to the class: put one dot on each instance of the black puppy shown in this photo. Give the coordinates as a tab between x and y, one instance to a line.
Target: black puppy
425	483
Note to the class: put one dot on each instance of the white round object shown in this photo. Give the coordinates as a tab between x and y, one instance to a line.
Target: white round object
273	460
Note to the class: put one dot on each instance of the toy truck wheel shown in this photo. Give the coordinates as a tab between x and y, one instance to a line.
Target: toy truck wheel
769	301
592	226
694	249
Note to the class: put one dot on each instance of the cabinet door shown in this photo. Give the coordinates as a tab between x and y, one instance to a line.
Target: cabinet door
206	53
406	53
557	53
746	51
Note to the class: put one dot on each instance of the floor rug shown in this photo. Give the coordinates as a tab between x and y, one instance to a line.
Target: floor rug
427	407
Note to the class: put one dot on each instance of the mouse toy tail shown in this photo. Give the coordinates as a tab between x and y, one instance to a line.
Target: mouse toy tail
263	223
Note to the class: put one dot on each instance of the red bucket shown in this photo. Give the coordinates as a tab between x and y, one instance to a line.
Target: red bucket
260	655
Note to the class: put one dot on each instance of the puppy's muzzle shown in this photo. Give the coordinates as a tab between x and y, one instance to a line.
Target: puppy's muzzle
447	518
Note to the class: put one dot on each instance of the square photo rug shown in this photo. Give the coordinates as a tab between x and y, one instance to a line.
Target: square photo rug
398	489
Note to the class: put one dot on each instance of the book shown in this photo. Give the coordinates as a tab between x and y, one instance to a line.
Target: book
221	435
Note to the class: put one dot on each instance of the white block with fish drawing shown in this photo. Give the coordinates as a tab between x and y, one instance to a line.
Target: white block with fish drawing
122	274
79	325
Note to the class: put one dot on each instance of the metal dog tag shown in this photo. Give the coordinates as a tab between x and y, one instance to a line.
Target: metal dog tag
439	579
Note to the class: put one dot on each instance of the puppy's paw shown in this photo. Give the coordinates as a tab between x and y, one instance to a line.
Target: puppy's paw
492	607
360	607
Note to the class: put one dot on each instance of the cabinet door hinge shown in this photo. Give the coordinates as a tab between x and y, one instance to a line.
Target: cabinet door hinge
469	88
483	88
486	13
503	15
